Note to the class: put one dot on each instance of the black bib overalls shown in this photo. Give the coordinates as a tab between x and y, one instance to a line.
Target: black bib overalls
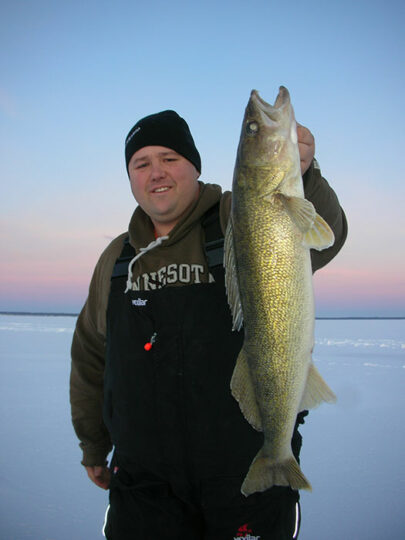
182	445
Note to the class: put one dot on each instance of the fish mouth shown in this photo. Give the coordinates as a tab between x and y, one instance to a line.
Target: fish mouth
271	112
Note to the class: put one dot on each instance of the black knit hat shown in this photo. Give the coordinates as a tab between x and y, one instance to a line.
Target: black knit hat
165	128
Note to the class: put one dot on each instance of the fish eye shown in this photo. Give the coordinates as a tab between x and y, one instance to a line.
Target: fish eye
252	128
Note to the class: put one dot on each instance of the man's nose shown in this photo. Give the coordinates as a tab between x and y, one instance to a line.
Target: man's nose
157	170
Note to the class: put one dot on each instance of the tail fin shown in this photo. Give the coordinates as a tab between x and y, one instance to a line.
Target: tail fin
263	474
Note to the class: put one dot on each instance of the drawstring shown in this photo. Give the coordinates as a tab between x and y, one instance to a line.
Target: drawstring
142	251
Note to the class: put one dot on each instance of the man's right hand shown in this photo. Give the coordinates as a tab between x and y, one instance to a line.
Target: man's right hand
99	475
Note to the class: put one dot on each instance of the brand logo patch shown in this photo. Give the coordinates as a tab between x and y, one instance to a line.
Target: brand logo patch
245	531
139	302
133	133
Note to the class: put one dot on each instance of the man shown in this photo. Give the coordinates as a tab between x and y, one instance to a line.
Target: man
153	354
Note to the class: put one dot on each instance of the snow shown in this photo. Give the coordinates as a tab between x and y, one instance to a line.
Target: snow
352	451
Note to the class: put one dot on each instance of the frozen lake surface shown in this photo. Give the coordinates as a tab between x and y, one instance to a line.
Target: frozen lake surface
352	451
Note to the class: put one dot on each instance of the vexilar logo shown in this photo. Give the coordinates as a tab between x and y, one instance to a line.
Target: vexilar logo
245	531
139	302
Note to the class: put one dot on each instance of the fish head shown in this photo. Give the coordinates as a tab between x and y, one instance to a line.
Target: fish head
268	146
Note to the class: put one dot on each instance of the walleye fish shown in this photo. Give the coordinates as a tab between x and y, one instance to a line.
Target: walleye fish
269	286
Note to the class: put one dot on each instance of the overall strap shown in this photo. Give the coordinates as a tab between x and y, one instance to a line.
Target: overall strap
121	264
214	238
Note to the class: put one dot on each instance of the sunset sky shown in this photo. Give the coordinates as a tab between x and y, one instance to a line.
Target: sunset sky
75	76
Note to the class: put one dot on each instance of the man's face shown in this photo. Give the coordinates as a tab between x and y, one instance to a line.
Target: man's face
164	183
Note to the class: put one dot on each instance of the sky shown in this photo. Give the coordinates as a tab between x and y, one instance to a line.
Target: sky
75	76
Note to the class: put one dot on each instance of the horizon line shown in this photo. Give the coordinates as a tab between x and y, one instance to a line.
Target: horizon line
332	317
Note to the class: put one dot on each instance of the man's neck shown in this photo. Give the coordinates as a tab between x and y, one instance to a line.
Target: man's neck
162	229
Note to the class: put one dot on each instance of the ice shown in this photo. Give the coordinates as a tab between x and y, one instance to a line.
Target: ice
352	451
44	491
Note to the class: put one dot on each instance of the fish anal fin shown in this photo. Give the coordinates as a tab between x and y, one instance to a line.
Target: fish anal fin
231	281
320	236
243	391
264	473
316	390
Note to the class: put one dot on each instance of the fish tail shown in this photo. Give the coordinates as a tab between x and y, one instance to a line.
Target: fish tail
263	474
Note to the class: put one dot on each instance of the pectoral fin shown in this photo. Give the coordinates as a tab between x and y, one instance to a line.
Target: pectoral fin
301	211
320	236
317	233
231	282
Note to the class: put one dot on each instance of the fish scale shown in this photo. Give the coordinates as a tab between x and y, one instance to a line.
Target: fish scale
269	285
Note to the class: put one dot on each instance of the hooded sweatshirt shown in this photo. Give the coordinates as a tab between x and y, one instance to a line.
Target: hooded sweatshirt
179	260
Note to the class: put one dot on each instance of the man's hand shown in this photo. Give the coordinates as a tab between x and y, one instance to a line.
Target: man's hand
99	475
306	147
